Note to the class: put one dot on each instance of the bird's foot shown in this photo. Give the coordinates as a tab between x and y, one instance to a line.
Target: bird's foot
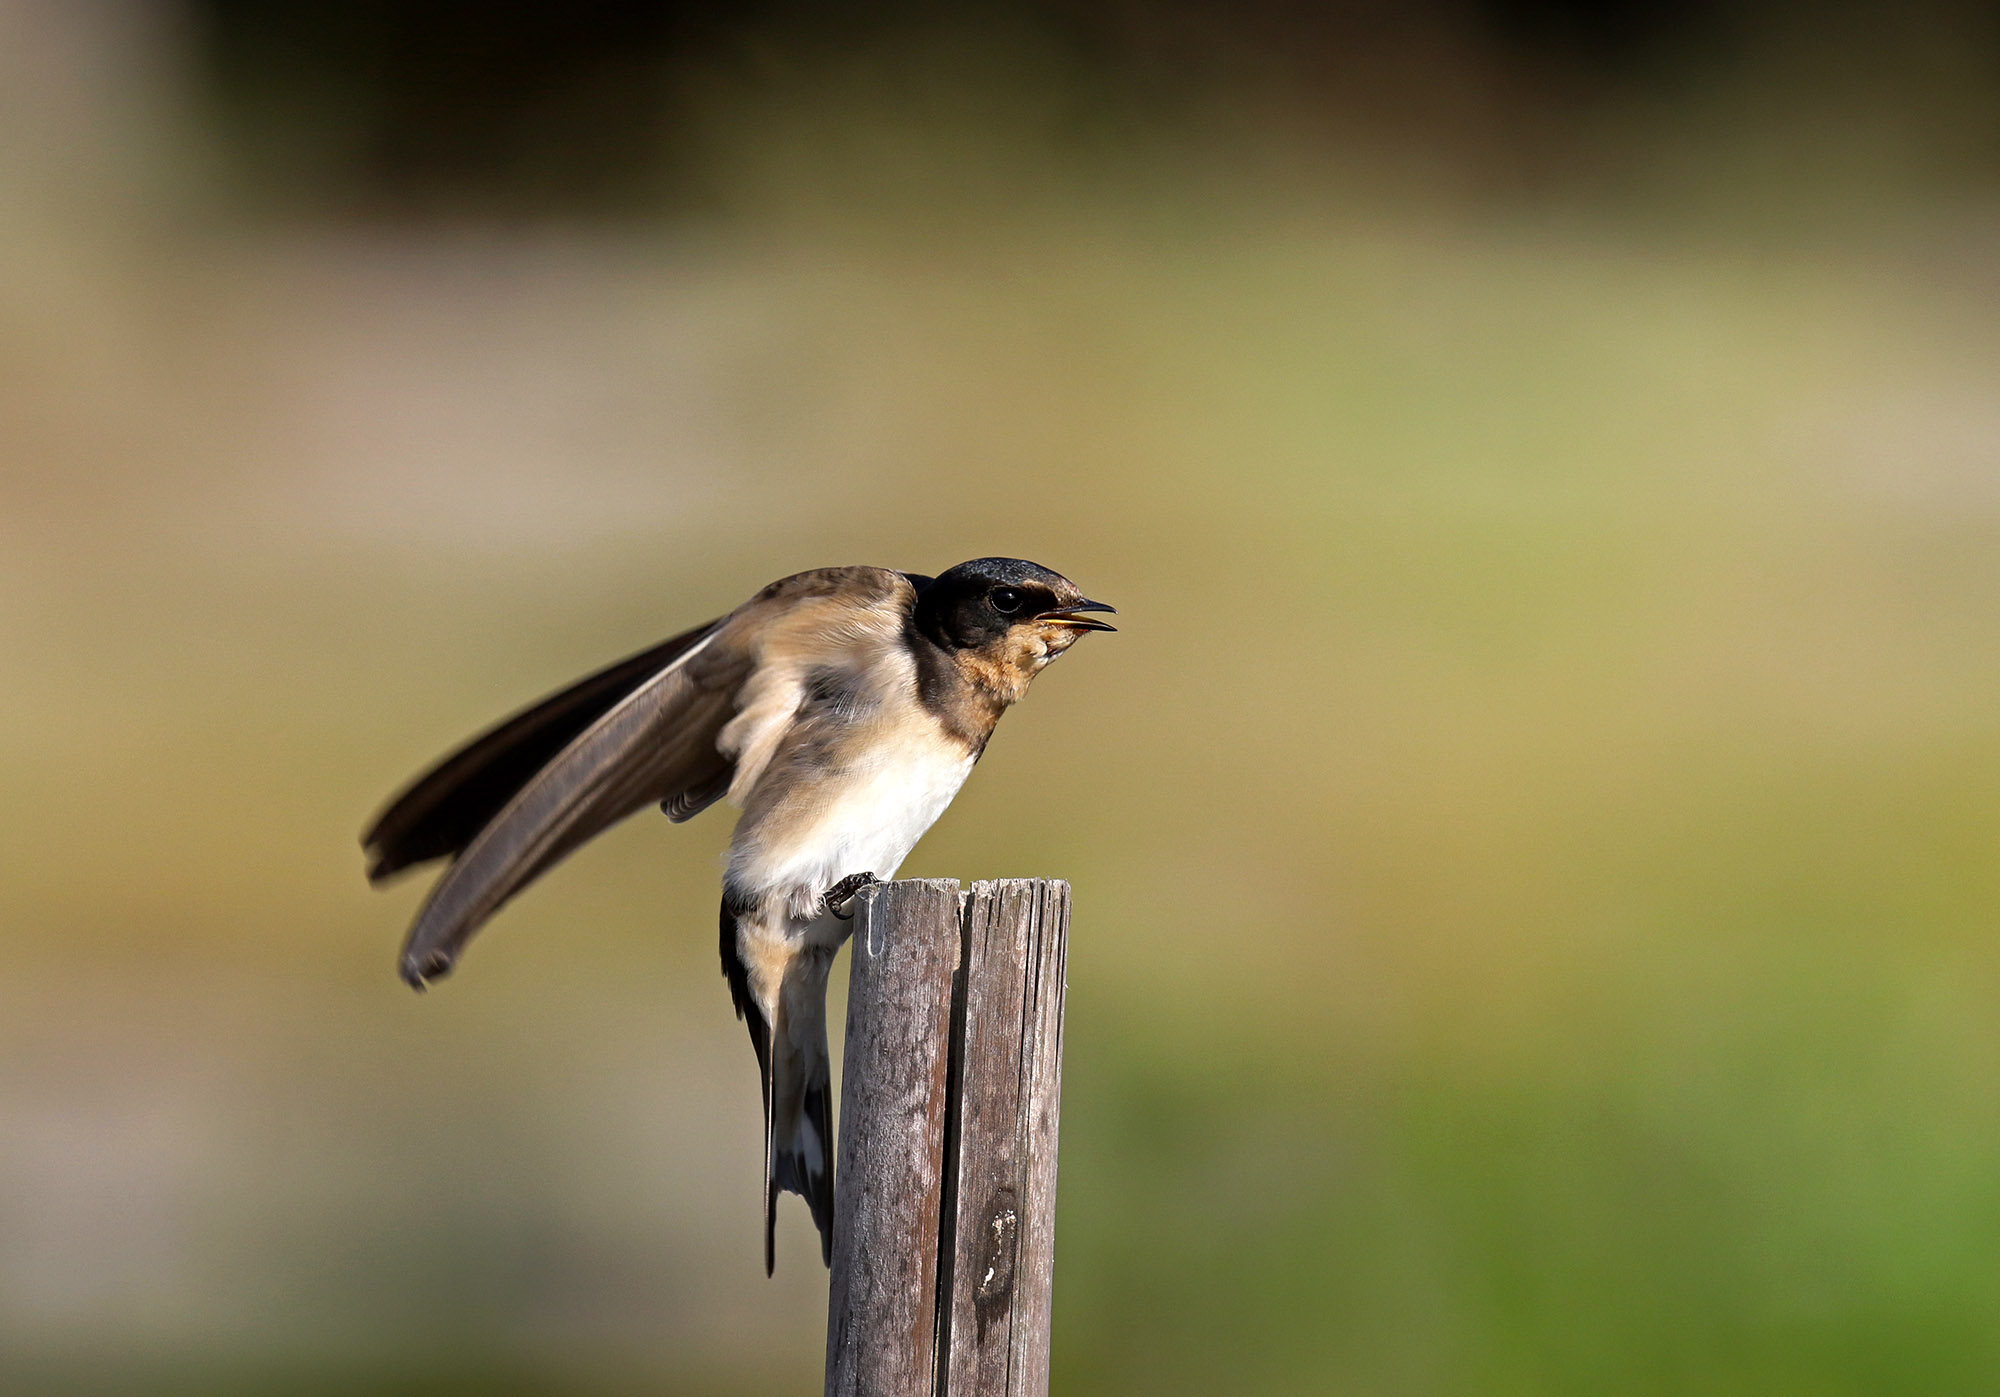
842	894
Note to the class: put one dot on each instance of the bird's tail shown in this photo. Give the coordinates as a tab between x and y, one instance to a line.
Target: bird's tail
798	1119
787	1025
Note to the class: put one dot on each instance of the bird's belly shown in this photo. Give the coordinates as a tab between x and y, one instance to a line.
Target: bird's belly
858	820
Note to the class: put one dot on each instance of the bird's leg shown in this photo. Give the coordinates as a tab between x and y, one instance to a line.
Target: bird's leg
843	893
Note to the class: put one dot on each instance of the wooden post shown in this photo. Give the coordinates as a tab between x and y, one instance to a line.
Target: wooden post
889	1164
945	1176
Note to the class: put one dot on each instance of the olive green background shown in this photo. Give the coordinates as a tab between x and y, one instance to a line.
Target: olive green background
1534	834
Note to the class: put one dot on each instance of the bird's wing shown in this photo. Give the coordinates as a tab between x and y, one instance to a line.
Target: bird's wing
657	743
443	810
667	740
839	630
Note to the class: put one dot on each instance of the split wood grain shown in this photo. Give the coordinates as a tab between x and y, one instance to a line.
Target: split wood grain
889	1165
944	1233
1006	1101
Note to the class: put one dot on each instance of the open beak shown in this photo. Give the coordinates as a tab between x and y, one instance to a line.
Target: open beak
1067	615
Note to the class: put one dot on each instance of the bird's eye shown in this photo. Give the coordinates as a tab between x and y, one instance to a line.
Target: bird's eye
1005	600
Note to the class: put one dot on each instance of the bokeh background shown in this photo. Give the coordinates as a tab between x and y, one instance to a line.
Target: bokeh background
1534	836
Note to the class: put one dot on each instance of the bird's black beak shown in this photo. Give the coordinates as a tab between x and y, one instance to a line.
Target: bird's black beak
1067	615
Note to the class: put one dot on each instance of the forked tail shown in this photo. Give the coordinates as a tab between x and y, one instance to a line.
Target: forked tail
798	1153
789	1035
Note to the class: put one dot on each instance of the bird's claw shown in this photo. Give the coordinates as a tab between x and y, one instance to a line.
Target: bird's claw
843	893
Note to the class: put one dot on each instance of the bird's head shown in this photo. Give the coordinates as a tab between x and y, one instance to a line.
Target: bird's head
1005	618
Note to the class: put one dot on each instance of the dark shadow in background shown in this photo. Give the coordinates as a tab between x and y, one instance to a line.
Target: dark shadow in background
593	106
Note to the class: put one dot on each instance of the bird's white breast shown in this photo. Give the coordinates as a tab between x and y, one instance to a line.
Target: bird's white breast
864	820
876	820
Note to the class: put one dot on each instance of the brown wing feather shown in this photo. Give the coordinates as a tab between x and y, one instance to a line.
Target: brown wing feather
656	741
443	810
657	744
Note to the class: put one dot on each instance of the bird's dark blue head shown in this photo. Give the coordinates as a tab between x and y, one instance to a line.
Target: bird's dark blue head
1003	605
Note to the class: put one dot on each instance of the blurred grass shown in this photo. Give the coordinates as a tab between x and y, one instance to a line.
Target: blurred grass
1533	833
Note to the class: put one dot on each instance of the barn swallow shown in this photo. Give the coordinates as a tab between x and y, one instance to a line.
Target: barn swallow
841	710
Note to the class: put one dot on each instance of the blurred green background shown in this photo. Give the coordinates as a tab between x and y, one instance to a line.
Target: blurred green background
1534	835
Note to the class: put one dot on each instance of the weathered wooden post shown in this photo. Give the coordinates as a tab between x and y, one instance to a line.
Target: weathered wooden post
945	1184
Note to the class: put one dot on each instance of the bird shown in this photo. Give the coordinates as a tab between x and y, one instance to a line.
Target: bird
840	709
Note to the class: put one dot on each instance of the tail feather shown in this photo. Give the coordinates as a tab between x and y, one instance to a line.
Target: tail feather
819	1191
747	1008
795	1078
770	1178
804	1165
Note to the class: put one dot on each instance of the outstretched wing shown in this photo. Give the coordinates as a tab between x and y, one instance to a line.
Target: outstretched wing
703	723
655	744
443	810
